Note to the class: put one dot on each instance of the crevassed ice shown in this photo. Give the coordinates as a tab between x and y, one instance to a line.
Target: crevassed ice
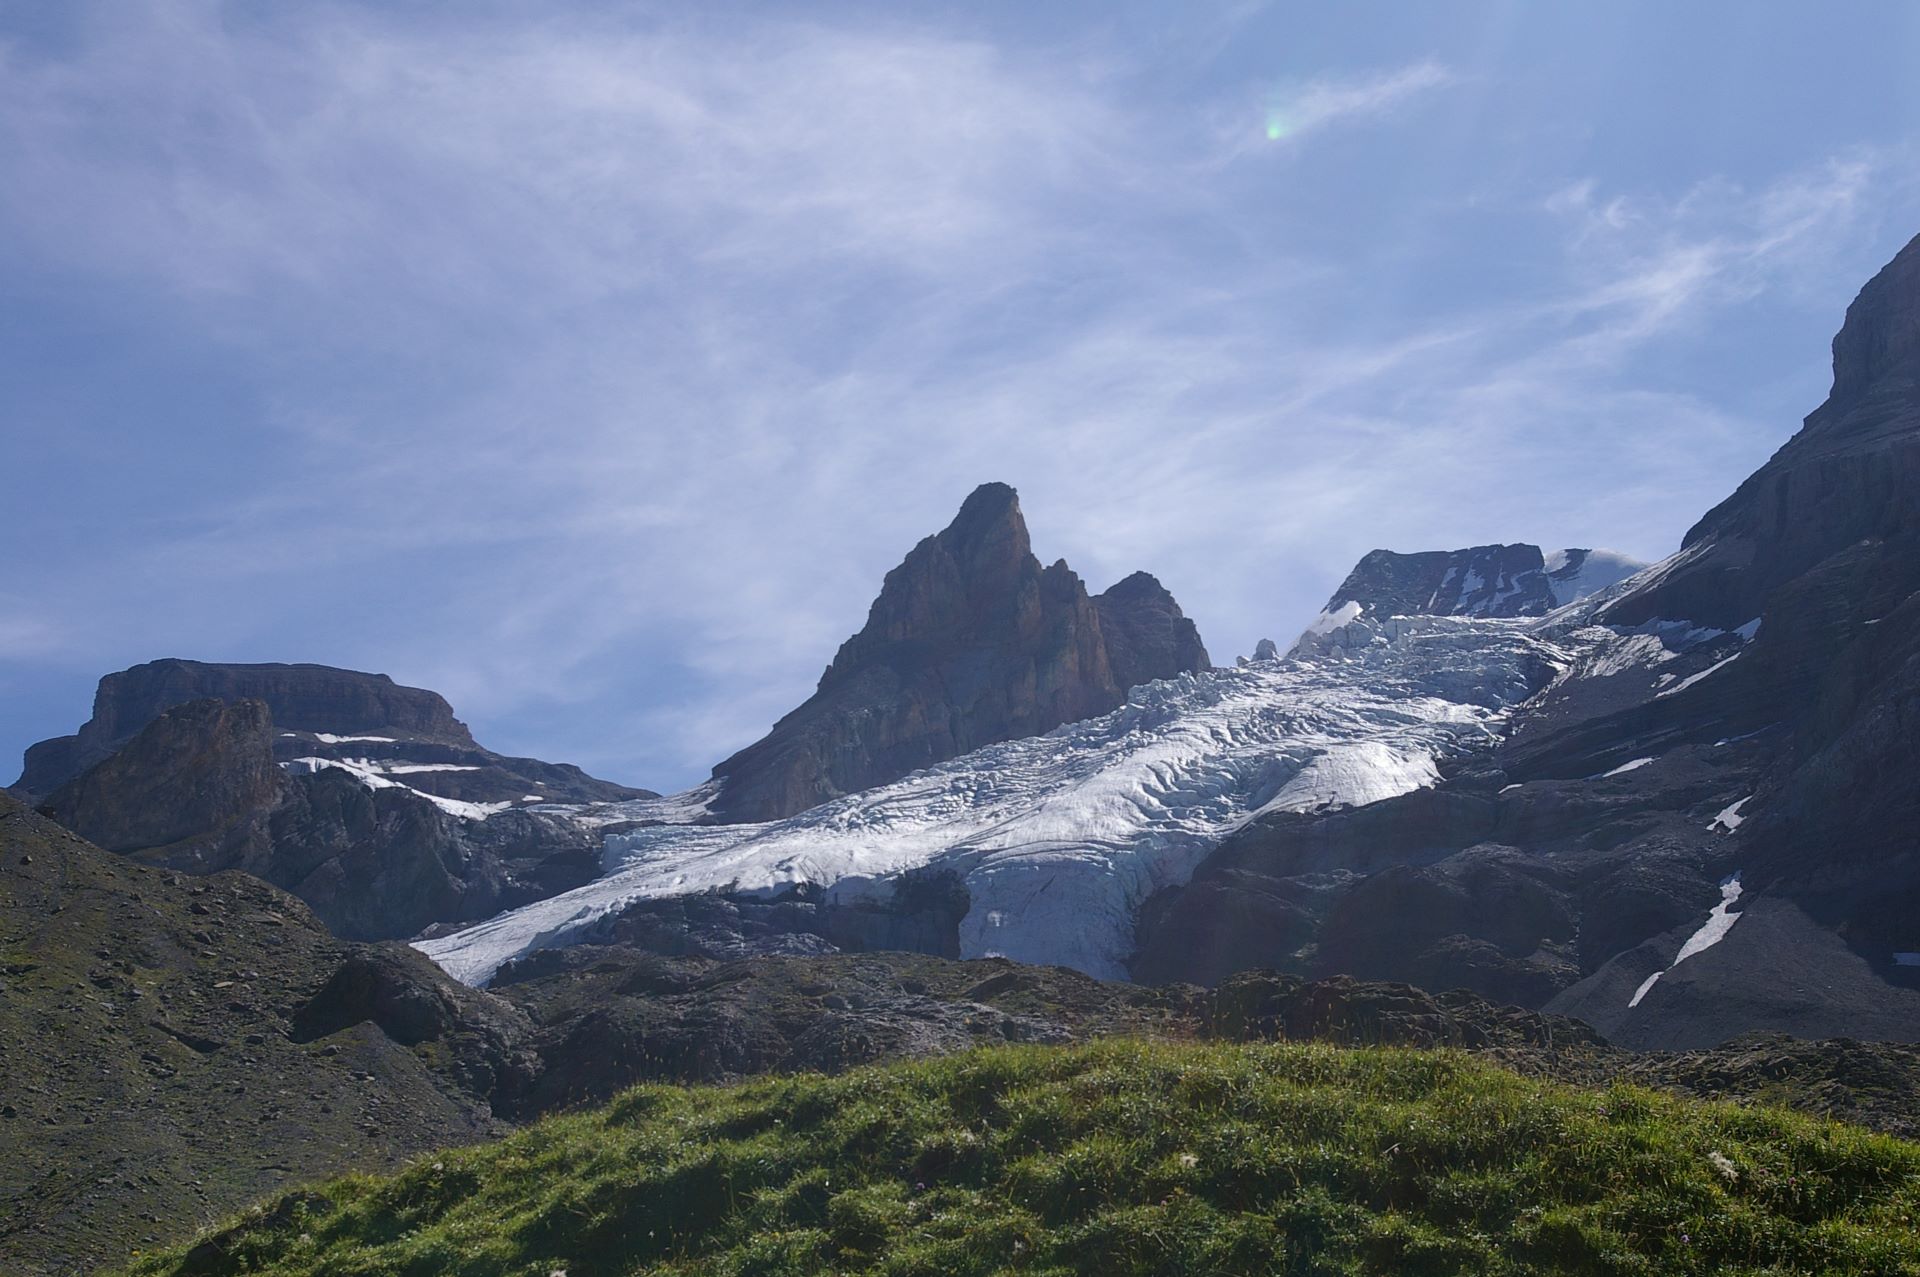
1058	838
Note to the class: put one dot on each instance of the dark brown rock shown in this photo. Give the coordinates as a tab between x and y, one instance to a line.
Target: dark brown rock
299	697
1148	637
970	642
1851	474
307	704
199	772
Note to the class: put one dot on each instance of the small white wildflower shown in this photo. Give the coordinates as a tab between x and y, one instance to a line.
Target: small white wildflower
1724	1164
1189	1161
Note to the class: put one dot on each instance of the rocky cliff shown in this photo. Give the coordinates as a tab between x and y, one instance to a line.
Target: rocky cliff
318	711
1851	474
1148	637
370	801
301	697
198	790
1482	580
1702	828
970	642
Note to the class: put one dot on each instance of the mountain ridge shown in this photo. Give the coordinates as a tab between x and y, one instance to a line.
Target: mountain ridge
970	642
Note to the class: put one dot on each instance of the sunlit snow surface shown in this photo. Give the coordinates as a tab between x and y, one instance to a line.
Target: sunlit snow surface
1060	837
1710	933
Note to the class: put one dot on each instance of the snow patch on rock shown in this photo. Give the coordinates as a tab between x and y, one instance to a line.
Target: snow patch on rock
373	774
1730	818
1719	922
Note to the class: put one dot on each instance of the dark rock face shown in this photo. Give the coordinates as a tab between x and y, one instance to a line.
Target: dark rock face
921	915
970	642
197	789
1483	580
299	697
1573	862
369	714
1851	475
387	863
202	770
1148	636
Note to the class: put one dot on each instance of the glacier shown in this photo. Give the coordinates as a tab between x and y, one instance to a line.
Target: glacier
1059	838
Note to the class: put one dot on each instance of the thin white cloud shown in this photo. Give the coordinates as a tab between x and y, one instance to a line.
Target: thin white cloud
609	369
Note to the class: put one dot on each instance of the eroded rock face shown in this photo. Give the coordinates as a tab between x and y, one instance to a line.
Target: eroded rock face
299	697
198	789
318	712
1148	637
199	771
1482	580
1851	474
970	642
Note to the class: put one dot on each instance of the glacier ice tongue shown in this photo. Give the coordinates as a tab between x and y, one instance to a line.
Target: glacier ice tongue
1058	838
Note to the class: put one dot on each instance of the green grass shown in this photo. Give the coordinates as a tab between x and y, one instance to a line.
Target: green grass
1122	1158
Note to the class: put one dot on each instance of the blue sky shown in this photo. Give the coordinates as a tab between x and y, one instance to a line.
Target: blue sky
591	364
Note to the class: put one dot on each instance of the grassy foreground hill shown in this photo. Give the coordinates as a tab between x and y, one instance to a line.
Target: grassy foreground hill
1119	1158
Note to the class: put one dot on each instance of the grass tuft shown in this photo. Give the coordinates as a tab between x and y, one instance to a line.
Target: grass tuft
1124	1159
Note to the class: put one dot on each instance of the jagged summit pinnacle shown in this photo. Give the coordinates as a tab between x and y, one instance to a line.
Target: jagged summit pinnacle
970	641
1881	333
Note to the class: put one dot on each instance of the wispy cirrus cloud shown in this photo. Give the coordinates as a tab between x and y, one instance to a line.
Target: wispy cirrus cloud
595	370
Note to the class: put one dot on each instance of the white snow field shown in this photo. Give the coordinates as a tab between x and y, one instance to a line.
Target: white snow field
1058	838
1709	934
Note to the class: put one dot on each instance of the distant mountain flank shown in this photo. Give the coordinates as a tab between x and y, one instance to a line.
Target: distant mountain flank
334	715
367	799
1482	580
971	642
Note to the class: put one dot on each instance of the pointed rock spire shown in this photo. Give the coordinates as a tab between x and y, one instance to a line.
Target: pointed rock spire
970	642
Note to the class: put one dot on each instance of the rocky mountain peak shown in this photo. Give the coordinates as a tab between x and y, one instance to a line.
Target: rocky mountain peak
309	698
1148	636
1851	476
1482	580
970	642
1881	334
299	697
952	585
989	531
